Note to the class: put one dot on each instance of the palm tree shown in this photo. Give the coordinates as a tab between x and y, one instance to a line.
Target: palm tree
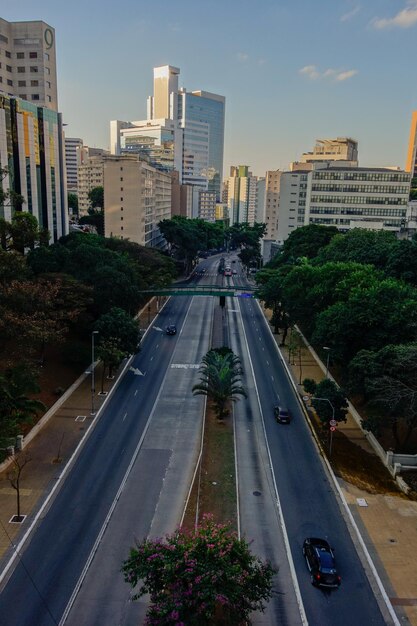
220	380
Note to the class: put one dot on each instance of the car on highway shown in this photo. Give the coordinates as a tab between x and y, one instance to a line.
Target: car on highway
321	563
281	414
227	271
234	271
171	329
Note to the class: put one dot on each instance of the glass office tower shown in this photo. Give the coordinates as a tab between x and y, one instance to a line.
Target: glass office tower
201	114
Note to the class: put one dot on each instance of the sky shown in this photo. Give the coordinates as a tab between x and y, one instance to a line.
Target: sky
292	71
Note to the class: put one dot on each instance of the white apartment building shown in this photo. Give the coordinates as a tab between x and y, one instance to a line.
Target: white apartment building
272	191
90	175
28	62
358	198
345	197
339	149
71	162
241	195
137	197
207	206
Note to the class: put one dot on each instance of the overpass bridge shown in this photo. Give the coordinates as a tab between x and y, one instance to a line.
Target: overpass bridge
232	291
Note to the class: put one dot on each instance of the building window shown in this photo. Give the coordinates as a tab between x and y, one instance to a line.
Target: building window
20	55
10	83
3	38
121	188
34	69
121	199
23	96
9	68
121	227
49	98
34	83
121	169
20	70
48	84
47	70
8	54
35	96
33	55
46	56
22	83
121	218
1	80
121	177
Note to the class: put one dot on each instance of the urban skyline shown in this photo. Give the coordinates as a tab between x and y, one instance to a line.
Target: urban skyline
289	74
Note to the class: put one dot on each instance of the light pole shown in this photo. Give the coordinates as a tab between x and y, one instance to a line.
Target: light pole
327	361
331	431
93	387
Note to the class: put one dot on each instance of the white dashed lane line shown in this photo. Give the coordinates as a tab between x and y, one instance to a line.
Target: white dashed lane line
124	417
135	392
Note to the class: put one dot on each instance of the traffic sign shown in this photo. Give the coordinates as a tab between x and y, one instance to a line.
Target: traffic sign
332	428
333	423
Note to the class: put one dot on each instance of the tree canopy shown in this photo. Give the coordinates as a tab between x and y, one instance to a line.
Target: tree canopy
199	577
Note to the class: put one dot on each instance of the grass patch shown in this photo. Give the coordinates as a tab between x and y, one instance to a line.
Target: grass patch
214	489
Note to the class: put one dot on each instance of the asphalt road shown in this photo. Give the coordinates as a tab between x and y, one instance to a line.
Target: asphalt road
158	412
64	538
307	498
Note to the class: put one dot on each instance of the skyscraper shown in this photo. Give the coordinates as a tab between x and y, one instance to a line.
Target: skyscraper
241	195
183	131
28	62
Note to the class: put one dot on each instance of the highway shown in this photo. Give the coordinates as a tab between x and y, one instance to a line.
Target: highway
133	473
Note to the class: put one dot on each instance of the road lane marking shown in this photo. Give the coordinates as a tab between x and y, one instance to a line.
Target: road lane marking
135	392
124	417
294	579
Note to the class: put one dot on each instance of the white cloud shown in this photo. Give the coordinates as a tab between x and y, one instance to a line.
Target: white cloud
348	16
403	19
242	56
312	72
345	75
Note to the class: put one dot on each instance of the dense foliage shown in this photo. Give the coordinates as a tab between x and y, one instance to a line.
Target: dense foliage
53	293
355	293
207	576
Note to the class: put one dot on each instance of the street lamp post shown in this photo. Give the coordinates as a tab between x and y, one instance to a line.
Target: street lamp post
93	386
331	431
327	361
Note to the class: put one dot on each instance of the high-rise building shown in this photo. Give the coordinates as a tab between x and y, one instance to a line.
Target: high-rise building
71	162
411	164
345	197
28	62
342	149
183	131
32	148
241	195
207	206
90	175
272	191
137	197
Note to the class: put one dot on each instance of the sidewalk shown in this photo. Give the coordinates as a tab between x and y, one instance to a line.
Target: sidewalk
387	523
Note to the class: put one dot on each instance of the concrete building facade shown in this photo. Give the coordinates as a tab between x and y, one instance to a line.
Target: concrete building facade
137	197
28	62
90	175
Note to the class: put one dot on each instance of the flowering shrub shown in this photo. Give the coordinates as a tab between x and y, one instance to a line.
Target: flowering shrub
206	576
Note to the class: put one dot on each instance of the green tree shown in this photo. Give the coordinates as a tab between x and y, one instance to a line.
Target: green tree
186	238
73	203
208	576
388	378
329	400
382	313
117	325
220	378
96	198
306	242
110	353
17	384
360	245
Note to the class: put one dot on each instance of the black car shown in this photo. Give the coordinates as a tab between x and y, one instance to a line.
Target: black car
321	563
171	330
282	415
